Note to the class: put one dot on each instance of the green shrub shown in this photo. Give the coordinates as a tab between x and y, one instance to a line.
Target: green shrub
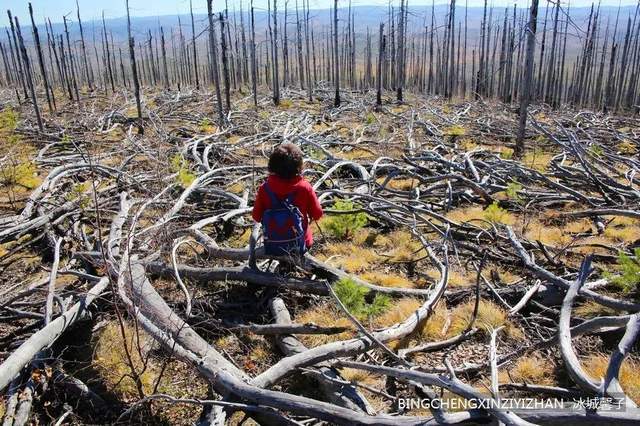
342	226
496	214
179	165
629	267
596	150
370	118
206	125
21	174
512	191
455	131
353	296
8	120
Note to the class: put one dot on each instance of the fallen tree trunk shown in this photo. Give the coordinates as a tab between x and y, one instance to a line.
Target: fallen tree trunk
45	337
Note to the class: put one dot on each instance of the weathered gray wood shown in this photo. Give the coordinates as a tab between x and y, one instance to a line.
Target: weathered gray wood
47	335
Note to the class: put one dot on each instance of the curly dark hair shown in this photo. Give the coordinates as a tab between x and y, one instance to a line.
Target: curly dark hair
286	161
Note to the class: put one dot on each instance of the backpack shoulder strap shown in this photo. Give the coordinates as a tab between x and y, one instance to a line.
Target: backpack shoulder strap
291	196
275	202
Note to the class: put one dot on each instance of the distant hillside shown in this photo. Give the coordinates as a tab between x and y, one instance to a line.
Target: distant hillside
366	17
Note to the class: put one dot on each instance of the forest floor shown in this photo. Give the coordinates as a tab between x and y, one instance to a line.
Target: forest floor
407	189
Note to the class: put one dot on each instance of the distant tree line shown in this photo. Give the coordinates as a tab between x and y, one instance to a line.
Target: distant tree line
510	60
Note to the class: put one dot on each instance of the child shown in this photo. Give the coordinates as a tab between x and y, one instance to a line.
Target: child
285	204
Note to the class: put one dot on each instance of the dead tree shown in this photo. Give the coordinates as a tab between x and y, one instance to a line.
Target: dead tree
194	46
134	68
254	68
225	63
43	71
71	70
336	55
107	56
214	62
87	66
400	53
165	70
27	70
308	52
21	74
274	53
381	53
527	81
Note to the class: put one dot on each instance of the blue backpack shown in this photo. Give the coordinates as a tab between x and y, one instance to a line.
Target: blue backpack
282	227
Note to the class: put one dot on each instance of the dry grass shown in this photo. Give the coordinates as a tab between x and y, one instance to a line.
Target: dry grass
478	215
537	160
490	316
401	246
111	362
354	154
406	184
457	277
596	367
387	280
240	240
349	256
236	188
590	309
532	369
356	375
325	316
623	229
433	328
548	235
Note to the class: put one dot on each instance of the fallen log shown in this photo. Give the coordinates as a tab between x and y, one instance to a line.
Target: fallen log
45	337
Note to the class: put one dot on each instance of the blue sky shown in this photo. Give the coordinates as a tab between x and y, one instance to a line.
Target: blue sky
54	9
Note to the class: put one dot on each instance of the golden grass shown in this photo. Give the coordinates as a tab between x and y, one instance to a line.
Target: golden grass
537	160
323	315
490	316
240	240
433	328
596	367
405	184
356	375
548	235
623	229
532	369
354	154
480	216
111	362
401	246
505	275
387	280
357	255
590	309
236	187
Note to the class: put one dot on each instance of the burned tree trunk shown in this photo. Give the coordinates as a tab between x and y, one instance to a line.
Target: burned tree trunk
381	49
336	55
274	54
134	68
72	72
194	46
21	74
27	70
527	81
225	63
43	71
254	69
107	56
165	70
84	50
214	63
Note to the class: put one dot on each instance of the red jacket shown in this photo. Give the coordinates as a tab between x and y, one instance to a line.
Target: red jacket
305	199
